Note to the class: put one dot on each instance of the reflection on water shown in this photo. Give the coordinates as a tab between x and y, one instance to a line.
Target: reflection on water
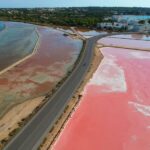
2	26
16	42
40	73
132	36
125	43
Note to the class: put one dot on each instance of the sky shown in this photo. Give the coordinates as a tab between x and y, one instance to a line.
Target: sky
72	3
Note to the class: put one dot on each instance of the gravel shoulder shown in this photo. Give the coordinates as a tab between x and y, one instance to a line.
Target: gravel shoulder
58	127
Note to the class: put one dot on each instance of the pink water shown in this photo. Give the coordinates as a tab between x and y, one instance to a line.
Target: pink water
114	112
39	74
125	43
132	36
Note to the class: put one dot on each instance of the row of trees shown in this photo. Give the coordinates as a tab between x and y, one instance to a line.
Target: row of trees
66	17
88	16
143	21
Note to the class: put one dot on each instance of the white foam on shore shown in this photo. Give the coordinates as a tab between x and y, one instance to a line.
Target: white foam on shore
144	109
140	55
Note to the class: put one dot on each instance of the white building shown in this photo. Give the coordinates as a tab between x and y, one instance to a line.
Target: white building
120	25
145	27
115	25
105	25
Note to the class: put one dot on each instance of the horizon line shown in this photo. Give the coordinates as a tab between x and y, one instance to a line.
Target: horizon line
74	7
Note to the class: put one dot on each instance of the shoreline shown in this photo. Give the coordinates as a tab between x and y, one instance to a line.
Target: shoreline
26	57
16	117
62	129
19	123
75	100
14	124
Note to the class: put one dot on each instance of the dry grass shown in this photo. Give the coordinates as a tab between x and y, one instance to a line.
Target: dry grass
11	121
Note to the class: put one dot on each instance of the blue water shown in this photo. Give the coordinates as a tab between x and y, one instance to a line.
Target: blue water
132	17
2	26
16	42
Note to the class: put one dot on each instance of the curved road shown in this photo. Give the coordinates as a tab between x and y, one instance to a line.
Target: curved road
32	135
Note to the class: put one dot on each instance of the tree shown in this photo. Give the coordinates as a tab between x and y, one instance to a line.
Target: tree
141	22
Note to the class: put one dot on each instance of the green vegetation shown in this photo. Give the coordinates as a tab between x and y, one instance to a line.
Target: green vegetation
142	22
85	17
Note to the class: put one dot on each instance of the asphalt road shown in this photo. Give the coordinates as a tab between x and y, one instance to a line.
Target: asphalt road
31	136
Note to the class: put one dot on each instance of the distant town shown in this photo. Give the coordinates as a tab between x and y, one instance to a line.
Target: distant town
102	18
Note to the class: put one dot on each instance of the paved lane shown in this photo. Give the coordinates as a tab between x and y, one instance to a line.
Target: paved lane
31	136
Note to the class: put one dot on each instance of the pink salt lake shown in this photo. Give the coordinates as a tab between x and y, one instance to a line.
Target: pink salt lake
114	112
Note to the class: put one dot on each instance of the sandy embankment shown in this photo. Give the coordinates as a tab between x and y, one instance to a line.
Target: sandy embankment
53	134
12	119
